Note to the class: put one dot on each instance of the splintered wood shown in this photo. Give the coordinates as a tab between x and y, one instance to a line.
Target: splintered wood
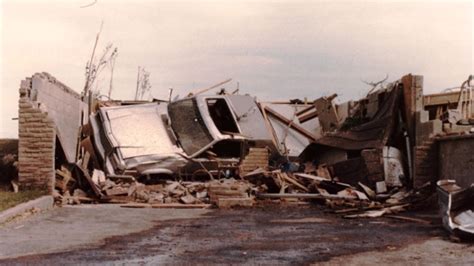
64	176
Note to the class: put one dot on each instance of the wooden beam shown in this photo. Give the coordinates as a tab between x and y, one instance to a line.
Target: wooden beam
441	98
307	109
210	88
88	178
167	206
293	181
308	117
302	196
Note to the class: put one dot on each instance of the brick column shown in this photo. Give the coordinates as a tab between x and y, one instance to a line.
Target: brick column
37	141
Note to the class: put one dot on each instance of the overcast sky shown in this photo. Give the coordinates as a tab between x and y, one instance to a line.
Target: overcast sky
275	50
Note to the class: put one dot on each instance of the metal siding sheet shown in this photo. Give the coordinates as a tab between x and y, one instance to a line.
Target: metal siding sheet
250	119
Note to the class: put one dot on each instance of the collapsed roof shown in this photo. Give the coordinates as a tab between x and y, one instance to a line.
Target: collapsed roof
161	138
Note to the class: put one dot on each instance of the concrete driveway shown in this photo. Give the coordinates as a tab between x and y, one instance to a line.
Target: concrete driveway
82	226
108	234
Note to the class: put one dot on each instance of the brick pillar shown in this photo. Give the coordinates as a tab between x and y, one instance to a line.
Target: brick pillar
425	168
36	145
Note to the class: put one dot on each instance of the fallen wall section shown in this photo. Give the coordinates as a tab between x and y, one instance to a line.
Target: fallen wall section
47	109
64	106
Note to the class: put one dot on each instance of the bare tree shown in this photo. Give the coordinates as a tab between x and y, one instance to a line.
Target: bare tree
375	84
113	56
143	83
95	66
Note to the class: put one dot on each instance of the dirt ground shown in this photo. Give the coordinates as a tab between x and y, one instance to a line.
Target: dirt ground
272	234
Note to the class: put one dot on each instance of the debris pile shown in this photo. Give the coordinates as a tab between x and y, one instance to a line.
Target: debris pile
9	164
369	157
223	193
352	201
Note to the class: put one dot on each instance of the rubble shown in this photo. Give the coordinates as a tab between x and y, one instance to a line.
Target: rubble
9	163
370	157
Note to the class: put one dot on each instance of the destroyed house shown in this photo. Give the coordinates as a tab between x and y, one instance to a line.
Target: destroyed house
207	134
367	152
383	151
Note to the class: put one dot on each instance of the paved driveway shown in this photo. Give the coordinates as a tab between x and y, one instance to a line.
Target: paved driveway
108	234
73	227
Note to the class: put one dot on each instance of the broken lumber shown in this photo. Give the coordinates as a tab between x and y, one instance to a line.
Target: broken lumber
181	206
305	110
409	219
308	117
293	181
302	196
167	206
86	175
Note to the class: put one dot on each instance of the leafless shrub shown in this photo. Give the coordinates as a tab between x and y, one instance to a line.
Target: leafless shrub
375	85
95	66
143	84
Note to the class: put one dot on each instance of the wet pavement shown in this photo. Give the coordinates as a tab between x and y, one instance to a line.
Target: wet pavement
271	234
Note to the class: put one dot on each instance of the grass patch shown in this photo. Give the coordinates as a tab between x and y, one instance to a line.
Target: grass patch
9	199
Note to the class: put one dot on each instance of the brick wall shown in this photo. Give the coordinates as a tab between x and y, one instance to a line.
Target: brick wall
36	146
50	114
421	130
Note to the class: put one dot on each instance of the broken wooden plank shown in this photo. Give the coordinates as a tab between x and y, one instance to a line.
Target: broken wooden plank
378	213
302	196
323	171
305	110
136	205
218	193
210	88
312	177
124	178
85	160
181	206
293	181
308	117
86	175
370	193
66	178
258	171
409	219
